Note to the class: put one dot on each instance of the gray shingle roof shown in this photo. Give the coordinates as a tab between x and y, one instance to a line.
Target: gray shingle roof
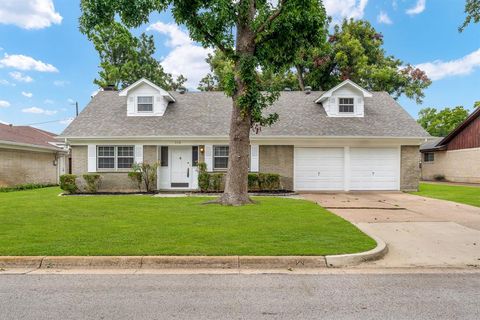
430	144
208	114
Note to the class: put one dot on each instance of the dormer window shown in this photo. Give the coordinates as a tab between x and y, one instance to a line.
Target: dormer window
145	104
345	105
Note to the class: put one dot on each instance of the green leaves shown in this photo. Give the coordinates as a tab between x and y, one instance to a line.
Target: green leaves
472	9
440	123
124	58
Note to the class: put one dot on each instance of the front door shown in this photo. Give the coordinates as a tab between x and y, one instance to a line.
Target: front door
181	167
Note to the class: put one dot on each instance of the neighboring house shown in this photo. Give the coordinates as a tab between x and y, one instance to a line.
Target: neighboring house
457	156
29	155
343	139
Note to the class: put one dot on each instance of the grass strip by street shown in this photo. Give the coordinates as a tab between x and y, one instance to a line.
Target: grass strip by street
38	222
461	194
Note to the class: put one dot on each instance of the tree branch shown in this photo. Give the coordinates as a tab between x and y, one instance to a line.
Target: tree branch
271	18
201	27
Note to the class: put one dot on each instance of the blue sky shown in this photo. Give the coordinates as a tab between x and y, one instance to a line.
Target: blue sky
46	64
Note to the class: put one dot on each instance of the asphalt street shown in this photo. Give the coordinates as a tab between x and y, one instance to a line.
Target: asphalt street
234	296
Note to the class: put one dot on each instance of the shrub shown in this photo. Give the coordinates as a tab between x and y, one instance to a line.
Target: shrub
268	181
439	177
26	186
216	182
253	181
68	183
93	181
148	173
136	177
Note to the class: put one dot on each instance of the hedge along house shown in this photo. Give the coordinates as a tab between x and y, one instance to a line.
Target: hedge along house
30	155
339	140
457	156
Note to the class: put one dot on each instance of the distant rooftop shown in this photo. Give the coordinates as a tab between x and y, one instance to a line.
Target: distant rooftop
25	135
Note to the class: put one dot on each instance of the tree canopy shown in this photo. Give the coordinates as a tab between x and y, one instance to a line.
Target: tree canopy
354	51
440	123
124	58
472	10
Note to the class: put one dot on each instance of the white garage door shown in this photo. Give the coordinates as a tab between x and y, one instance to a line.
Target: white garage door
319	169
374	168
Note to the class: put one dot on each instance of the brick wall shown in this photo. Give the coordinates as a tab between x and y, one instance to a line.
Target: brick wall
19	167
410	168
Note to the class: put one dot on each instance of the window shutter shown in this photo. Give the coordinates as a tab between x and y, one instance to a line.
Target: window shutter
92	158
138	153
131	105
254	158
209	157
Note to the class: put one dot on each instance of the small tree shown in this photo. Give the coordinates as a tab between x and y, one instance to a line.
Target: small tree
439	123
148	174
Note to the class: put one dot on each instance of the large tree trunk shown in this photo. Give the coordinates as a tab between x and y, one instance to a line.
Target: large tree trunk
236	183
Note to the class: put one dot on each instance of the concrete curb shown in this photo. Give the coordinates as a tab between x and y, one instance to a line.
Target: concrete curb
346	260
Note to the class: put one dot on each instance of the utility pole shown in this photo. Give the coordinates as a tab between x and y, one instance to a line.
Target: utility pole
76	109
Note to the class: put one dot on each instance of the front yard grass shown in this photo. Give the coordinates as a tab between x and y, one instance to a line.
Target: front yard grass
38	222
462	194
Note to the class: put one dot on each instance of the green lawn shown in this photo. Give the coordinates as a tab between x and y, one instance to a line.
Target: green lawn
38	222
462	194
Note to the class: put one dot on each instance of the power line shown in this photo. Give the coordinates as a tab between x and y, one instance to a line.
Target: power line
52	121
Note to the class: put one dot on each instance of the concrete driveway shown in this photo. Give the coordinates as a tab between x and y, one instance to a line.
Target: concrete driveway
420	232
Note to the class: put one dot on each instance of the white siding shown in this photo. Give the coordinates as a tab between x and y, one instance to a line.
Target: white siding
347	91
159	102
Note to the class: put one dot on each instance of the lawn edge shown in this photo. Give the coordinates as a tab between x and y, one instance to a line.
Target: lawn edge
194	262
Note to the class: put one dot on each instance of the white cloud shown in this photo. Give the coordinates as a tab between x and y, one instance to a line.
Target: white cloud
60	83
439	69
384	18
48	101
70	100
4	82
186	57
27	94
23	62
418	8
20	77
37	110
29	14
4	104
340	9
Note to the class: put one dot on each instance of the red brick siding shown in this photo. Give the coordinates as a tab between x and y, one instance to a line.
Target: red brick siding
467	138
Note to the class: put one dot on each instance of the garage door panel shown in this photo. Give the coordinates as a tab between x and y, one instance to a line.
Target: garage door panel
374	169
319	169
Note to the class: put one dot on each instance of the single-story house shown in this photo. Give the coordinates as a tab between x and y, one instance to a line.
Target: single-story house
346	138
455	157
30	155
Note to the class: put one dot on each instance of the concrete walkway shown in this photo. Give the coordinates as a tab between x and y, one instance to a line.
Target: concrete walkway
420	232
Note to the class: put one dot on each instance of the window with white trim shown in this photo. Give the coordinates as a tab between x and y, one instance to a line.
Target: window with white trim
145	104
220	157
115	157
346	105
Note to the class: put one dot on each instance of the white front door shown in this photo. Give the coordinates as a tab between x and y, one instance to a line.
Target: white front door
181	169
319	169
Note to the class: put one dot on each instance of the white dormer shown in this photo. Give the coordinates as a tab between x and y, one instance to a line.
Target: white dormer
145	99
345	100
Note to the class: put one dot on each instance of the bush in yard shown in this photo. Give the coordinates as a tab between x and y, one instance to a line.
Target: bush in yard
216	182
68	183
93	182
148	173
26	186
136	177
253	181
439	177
203	177
269	181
